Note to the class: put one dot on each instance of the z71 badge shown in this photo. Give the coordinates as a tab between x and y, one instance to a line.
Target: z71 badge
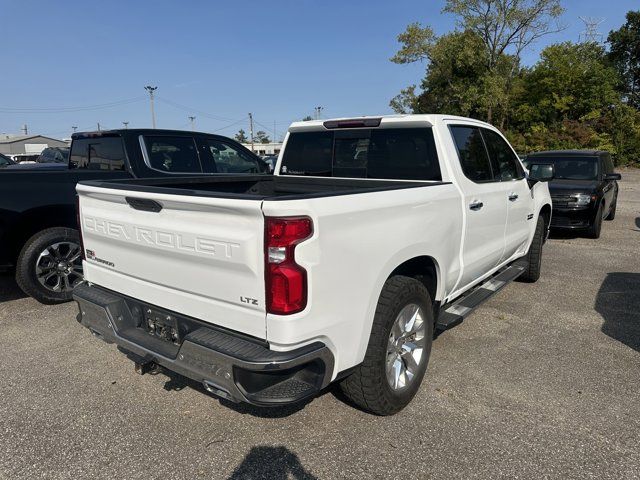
91	255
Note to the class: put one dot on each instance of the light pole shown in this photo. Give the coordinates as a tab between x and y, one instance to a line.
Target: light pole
126	125
74	128
151	91
192	120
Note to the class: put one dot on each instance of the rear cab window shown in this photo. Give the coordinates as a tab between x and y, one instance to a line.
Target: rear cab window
381	153
98	153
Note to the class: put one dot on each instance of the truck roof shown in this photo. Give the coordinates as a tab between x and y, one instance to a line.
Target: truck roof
139	131
378	120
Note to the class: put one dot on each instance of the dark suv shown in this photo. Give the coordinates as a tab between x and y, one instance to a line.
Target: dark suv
584	190
54	155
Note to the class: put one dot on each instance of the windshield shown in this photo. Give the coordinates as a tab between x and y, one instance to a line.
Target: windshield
571	168
389	153
4	161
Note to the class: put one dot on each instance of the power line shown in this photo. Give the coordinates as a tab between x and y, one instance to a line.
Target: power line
230	125
99	106
194	110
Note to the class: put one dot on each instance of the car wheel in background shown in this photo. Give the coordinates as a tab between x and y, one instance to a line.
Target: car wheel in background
50	265
534	255
398	350
596	226
612	212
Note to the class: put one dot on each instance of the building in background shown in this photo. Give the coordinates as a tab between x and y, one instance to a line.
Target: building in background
27	144
263	149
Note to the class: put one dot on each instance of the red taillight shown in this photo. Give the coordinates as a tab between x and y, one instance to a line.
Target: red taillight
286	281
79	223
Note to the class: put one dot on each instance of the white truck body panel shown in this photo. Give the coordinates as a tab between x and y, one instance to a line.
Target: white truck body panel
200	255
197	256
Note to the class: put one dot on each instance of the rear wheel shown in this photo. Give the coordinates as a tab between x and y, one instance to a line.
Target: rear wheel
596	226
534	255
50	265
398	350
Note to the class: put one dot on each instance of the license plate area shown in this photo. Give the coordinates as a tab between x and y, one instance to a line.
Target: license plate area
162	325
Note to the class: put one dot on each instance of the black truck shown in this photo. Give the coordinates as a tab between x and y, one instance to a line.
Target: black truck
584	191
38	224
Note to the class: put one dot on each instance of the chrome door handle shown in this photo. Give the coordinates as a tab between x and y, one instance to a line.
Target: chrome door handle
476	205
513	197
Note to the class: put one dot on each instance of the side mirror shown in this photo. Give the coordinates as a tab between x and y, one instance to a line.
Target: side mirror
541	172
612	176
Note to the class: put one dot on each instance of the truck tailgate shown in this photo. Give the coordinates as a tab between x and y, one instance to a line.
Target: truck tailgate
200	256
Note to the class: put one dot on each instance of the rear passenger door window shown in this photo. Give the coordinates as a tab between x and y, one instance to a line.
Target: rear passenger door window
229	159
172	154
472	153
504	162
100	153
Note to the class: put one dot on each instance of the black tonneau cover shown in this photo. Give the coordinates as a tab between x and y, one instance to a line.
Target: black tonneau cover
258	187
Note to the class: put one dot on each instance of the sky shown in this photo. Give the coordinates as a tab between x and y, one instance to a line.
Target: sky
73	63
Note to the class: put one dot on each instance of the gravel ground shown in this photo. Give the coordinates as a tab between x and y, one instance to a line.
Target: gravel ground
542	381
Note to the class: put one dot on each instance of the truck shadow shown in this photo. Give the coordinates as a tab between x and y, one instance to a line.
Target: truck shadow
565	234
278	463
177	382
9	290
618	301
638	223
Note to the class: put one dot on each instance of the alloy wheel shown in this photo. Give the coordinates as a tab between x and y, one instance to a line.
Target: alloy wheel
405	349
59	266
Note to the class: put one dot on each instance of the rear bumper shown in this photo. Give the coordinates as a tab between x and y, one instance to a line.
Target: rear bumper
228	364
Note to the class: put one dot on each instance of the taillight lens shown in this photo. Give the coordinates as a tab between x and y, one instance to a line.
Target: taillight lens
79	223
286	281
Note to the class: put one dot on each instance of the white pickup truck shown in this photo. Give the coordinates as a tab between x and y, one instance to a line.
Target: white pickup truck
373	233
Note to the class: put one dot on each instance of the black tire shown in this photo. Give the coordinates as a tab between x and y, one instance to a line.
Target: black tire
534	255
596	226
368	386
612	212
26	276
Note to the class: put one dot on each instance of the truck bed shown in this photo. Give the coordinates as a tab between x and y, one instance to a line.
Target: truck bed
259	187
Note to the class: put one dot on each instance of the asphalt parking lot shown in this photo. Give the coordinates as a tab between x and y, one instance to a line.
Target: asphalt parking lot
542	381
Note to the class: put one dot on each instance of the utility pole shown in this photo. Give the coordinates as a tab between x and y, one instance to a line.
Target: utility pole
75	127
126	125
151	91
98	126
25	130
192	120
251	129
274	132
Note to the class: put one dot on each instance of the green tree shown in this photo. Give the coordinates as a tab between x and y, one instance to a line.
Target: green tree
262	137
625	56
570	82
498	32
569	100
241	136
307	118
455	75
